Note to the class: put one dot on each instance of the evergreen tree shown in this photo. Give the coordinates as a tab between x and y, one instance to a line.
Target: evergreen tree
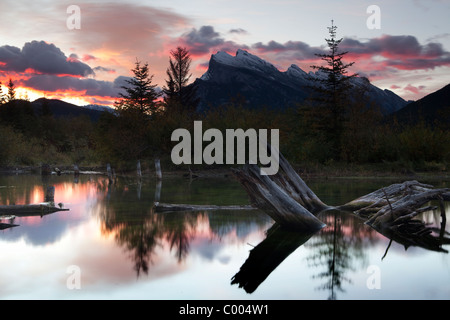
177	91
141	95
332	91
2	96
11	96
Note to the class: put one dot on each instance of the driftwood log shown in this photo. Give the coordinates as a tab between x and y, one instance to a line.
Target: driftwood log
285	197
391	210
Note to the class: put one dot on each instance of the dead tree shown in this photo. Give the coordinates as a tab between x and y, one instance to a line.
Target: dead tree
390	210
285	197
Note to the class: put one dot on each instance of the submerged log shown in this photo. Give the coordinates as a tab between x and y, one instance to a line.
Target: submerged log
38	209
168	207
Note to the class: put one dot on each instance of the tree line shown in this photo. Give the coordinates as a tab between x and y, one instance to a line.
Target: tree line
327	128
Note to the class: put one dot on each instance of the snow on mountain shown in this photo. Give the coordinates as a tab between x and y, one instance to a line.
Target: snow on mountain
262	84
98	107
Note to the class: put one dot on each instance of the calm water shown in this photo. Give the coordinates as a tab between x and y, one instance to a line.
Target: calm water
112	245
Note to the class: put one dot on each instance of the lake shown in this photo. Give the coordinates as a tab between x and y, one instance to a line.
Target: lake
112	245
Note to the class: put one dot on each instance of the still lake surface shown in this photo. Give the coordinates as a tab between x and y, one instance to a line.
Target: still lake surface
112	245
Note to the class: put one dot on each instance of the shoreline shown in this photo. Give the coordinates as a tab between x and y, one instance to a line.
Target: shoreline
340	171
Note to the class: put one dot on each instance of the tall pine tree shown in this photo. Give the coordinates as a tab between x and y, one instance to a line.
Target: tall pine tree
130	136
11	96
332	91
140	96
177	92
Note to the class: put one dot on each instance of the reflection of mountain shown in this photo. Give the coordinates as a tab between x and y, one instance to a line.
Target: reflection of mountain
225	222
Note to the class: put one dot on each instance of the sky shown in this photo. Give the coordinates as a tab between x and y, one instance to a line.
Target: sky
82	51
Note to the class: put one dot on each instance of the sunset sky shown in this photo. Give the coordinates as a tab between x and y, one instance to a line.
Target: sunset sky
409	54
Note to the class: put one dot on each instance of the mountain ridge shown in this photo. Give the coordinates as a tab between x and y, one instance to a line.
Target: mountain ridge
259	83
434	107
60	108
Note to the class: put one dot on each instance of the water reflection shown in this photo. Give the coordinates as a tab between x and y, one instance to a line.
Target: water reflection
335	251
134	241
139	229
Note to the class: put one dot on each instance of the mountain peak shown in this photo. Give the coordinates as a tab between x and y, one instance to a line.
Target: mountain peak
296	71
243	59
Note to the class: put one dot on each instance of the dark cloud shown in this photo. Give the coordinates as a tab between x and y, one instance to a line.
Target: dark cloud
297	49
398	52
206	39
41	57
401	52
238	31
89	87
104	69
201	41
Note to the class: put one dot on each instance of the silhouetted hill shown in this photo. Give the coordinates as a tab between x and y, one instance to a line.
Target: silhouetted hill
60	108
431	109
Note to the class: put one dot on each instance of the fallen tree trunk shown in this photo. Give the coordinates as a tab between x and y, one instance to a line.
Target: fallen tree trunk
285	197
291	203
39	209
397	203
280	200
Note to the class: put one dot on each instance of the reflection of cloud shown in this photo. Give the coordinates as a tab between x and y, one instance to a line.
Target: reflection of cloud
48	229
39	231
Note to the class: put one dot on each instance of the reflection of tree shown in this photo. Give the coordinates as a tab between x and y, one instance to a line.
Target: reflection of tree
141	230
332	249
135	225
178	228
141	239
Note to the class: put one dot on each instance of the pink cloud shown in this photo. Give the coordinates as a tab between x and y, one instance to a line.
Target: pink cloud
413	89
